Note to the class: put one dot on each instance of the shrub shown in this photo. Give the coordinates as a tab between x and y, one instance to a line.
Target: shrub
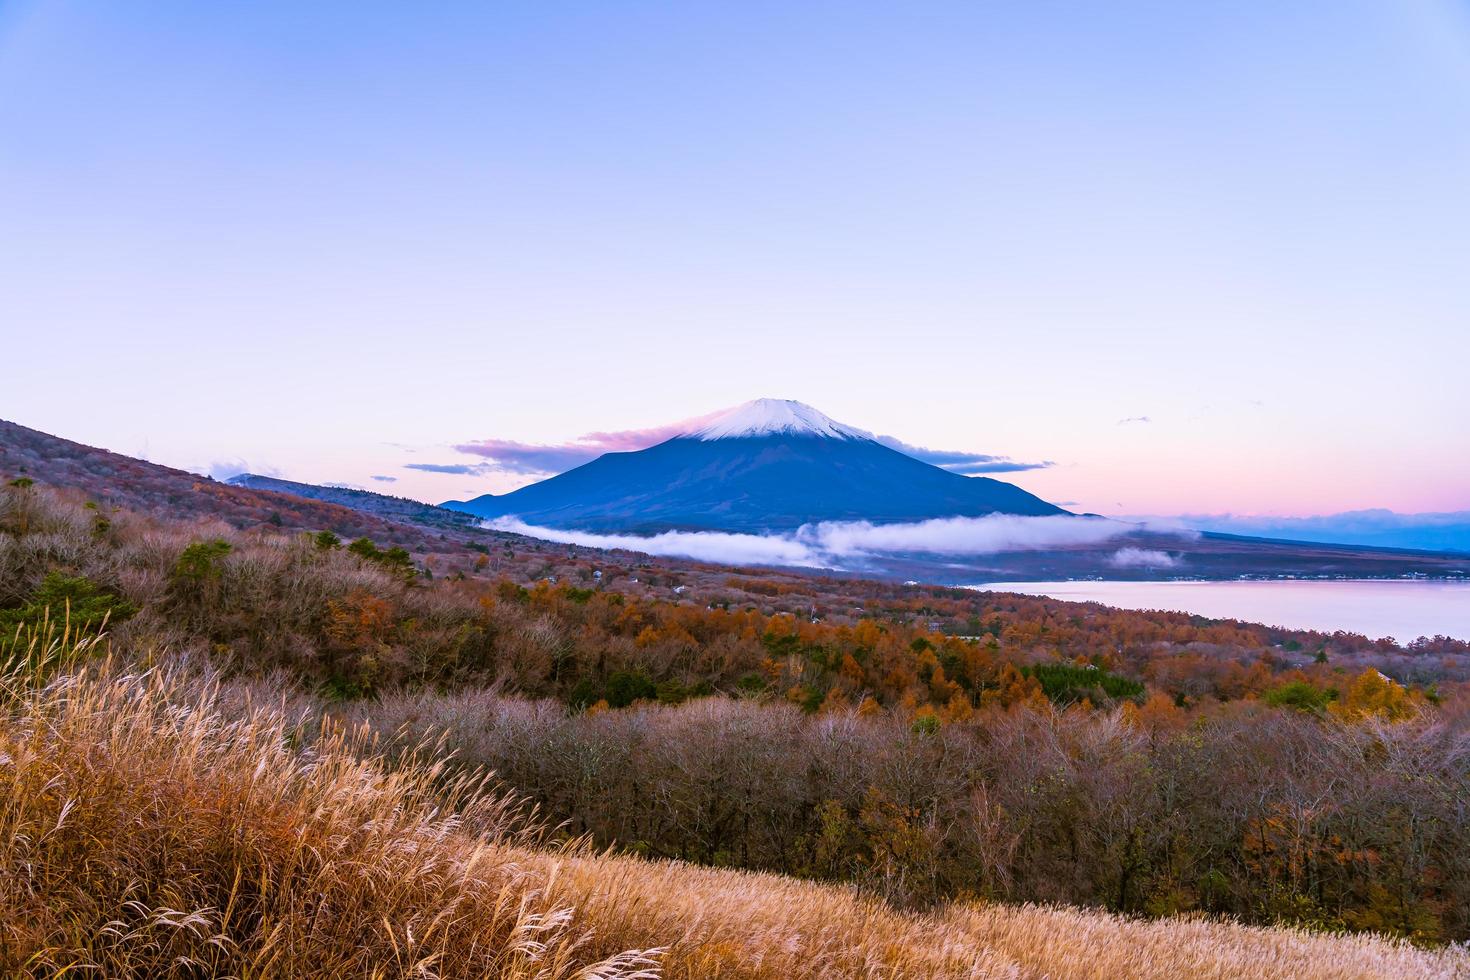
200	561
584	693
1069	683
751	683
1300	695
75	600
396	560
627	686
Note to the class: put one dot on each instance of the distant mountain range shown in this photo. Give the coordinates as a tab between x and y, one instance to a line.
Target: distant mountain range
1131	553
383	505
1376	528
767	465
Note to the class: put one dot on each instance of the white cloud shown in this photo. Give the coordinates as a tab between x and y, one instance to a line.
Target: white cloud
225	469
960	461
828	544
1142	558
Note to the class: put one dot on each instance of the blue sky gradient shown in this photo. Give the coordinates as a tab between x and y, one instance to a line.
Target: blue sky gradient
333	240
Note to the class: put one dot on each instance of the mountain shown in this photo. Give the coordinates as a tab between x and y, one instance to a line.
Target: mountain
382	504
114	480
1377	528
767	465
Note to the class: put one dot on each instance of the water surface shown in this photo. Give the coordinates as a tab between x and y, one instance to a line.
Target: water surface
1404	610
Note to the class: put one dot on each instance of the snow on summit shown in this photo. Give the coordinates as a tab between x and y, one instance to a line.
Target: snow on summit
775	416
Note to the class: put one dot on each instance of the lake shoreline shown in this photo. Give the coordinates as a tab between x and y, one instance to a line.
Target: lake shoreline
1403	609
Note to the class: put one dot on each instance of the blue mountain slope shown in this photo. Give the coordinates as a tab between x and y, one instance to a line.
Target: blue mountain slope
766	466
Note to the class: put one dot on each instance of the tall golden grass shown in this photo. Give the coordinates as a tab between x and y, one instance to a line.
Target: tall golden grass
36	651
155	824
718	923
145	832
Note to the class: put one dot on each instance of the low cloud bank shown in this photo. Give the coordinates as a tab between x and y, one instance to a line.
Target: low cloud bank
830	544
715	546
960	535
1165	525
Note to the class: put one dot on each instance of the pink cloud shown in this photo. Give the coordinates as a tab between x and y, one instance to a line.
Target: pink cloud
511	456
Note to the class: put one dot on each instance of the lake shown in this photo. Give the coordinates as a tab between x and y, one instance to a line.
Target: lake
1404	610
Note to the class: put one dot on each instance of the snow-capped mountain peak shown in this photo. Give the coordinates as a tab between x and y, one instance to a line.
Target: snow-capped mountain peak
767	465
774	416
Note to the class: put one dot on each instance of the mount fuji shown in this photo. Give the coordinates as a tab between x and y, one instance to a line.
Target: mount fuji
767	465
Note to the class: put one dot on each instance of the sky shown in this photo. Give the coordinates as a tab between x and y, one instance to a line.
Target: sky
1199	258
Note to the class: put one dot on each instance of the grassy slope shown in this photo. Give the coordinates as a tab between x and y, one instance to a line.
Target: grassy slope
163	824
730	923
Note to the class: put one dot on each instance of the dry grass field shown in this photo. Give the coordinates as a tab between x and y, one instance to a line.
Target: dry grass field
737	924
160	823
